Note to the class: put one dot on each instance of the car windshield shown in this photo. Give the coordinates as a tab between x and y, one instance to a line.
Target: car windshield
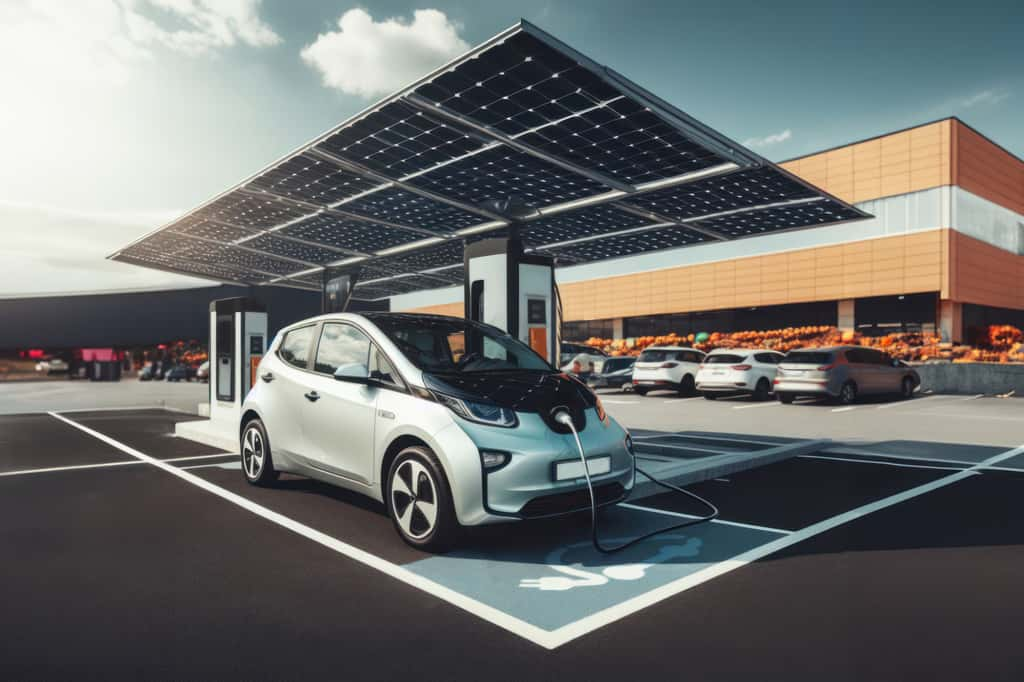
615	364
723	359
452	345
657	355
807	358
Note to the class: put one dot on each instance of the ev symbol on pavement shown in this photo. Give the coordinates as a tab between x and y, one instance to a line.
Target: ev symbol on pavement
574	575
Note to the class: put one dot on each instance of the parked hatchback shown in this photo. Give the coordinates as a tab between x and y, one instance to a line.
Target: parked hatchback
615	373
843	373
448	422
670	368
732	371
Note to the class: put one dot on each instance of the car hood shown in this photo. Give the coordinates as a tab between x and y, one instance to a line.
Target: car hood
538	392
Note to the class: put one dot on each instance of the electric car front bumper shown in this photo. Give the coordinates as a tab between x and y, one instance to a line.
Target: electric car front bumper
526	486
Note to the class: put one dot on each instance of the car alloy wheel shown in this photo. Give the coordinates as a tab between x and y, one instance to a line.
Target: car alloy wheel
908	388
848	393
253	453
414	499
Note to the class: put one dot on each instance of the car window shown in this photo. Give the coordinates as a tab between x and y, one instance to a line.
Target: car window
382	370
615	364
767	358
807	358
653	356
295	346
342	345
692	356
859	356
723	359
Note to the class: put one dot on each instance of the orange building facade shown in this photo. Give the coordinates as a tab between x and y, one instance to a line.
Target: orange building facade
944	251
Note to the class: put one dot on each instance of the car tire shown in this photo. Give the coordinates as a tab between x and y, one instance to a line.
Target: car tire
907	388
786	398
639	391
847	393
710	396
762	391
254	452
687	386
416	484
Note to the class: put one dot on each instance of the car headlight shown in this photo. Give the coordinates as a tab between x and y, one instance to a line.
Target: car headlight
601	414
481	413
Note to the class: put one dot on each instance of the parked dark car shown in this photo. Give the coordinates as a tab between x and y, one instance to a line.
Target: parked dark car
843	373
180	373
615	373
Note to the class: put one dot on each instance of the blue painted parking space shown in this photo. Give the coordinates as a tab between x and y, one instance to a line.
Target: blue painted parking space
551	584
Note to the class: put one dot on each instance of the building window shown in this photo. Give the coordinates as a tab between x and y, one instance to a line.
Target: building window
580	331
881	315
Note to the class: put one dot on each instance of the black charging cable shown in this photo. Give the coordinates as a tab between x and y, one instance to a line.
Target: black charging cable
563	417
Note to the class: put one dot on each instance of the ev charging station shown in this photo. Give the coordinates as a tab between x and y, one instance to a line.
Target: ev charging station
238	339
513	291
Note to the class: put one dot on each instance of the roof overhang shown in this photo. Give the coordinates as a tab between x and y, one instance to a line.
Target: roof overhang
599	168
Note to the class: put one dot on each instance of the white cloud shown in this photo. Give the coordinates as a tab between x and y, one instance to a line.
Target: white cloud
44	249
367	58
100	41
768	140
985	97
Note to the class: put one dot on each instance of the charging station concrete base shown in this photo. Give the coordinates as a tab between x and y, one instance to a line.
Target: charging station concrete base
217	434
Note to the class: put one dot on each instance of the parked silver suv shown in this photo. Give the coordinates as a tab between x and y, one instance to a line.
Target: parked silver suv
843	373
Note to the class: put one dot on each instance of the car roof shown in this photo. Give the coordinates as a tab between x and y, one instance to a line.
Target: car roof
743	350
672	348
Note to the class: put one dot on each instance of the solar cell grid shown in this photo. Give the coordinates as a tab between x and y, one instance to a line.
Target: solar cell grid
311	179
354	235
780	218
210	230
234	257
502	172
628	244
397	140
399	206
284	247
246	210
741	189
582	223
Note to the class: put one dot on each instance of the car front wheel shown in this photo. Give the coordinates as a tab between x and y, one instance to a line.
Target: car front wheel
419	501
257	464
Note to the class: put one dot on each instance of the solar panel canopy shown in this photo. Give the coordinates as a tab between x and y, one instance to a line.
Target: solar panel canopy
521	133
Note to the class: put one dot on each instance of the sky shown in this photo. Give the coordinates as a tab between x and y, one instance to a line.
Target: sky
118	115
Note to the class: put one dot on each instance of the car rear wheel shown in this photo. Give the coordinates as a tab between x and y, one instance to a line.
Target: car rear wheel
762	390
785	398
907	388
710	396
257	464
687	385
420	502
639	391
848	393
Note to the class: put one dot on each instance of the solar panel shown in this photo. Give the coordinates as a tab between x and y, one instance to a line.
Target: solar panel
629	244
592	166
312	179
399	206
585	222
398	140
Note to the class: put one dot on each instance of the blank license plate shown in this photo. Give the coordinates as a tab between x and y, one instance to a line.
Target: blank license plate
574	469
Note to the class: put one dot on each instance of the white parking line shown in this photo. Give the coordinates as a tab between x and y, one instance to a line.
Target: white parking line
103	465
590	623
479	609
753	405
875	461
913	401
689	448
720	438
844	409
723	522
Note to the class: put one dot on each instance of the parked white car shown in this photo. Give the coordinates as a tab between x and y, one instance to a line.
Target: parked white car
52	366
732	371
667	368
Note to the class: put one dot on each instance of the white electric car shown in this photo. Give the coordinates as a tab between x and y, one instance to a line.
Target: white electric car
671	368
448	422
732	371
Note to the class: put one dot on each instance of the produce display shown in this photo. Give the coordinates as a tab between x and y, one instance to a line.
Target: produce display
999	343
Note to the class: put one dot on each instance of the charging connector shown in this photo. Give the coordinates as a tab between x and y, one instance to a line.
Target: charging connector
563	417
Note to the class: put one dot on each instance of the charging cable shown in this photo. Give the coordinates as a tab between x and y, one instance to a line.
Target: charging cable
563	417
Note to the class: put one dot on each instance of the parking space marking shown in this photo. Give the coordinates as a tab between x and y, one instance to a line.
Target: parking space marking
693	436
492	615
875	461
688	448
554	638
724	522
102	465
844	409
74	467
588	624
619	402
753	405
844	450
914	401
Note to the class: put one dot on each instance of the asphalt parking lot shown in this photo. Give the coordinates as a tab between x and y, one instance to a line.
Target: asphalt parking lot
892	552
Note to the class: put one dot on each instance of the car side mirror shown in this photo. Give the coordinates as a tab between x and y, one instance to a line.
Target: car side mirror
355	373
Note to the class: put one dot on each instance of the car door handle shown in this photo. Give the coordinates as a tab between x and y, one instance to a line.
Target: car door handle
268	377
312	396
